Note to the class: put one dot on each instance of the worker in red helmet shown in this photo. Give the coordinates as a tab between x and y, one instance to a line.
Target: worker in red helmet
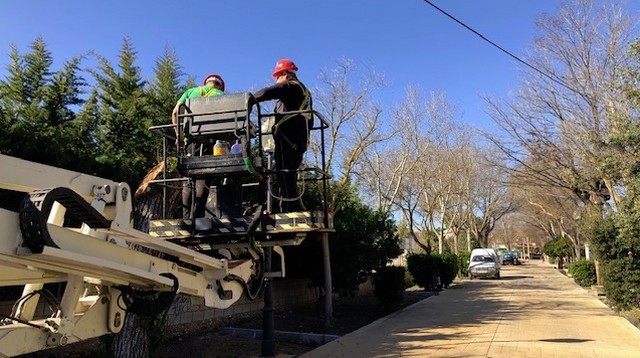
212	85
290	131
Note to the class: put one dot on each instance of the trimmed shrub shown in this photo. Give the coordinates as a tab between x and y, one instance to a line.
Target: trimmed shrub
389	285
427	268
615	241
418	266
622	282
583	272
463	262
408	279
435	269
559	247
448	269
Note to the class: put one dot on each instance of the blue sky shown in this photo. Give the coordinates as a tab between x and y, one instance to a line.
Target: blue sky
406	40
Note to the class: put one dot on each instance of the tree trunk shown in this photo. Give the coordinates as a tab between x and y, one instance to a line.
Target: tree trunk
455	244
328	286
132	341
137	338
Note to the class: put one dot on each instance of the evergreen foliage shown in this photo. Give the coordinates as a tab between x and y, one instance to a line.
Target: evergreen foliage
449	269
82	135
49	116
365	241
127	148
583	272
426	268
615	236
37	108
619	263
165	88
422	267
618	254
389	287
464	257
559	248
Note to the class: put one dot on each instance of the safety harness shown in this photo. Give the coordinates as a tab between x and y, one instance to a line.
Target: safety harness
211	92
304	106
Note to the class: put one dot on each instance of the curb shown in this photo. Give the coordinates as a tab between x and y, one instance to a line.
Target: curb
284	336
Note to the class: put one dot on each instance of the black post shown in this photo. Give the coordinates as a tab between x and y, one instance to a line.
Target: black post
268	342
164	176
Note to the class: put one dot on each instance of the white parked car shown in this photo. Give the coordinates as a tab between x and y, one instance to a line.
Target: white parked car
484	263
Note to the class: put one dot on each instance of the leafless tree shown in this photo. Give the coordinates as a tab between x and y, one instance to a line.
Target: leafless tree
420	172
380	174
553	210
355	120
565	109
355	125
416	149
490	198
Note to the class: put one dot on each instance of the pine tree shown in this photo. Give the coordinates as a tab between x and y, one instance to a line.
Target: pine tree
37	72
11	91
82	130
165	89
15	101
37	106
64	92
123	137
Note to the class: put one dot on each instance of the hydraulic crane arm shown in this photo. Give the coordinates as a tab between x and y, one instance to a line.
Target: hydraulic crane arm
99	259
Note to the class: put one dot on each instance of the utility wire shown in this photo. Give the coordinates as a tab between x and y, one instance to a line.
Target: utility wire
552	78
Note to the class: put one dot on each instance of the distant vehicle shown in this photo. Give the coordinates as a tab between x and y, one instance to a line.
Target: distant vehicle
509	258
484	263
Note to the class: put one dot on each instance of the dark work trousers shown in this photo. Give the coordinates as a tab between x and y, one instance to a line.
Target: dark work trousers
202	193
288	152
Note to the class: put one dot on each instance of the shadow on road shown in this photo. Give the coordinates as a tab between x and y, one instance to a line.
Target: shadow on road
566	340
509	278
472	312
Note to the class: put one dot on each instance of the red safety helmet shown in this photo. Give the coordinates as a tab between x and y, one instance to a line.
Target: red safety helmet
214	77
284	65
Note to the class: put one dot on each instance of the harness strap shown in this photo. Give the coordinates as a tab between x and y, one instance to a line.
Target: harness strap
211	92
304	106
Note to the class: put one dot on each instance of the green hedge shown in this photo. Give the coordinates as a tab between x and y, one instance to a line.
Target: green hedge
423	267
615	240
622	282
463	262
389	286
583	272
559	247
449	269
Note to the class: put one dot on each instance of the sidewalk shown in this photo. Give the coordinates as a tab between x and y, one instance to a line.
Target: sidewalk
533	311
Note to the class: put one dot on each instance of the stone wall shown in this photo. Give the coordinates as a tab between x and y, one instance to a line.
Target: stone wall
286	293
186	310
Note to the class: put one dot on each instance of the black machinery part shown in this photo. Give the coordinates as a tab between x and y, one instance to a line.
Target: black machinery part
148	303
35	210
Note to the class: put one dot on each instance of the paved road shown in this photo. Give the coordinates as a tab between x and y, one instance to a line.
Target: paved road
533	311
